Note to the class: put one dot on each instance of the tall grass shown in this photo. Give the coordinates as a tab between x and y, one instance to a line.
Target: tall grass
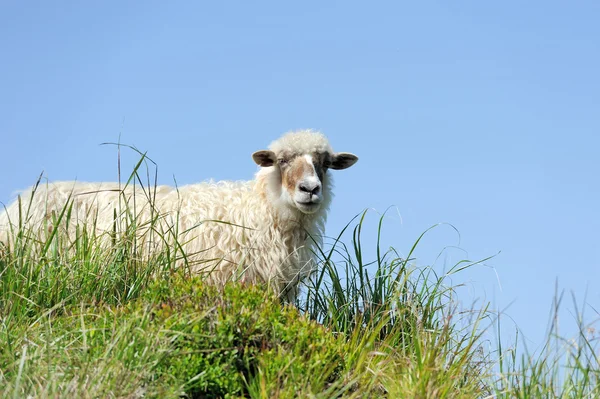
402	314
562	368
43	266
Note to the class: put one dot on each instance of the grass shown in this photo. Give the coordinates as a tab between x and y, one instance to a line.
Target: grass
79	318
563	367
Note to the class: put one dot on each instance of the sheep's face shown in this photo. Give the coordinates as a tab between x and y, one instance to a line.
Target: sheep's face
302	175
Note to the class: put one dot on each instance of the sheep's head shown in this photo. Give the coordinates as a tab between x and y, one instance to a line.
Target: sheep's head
302	160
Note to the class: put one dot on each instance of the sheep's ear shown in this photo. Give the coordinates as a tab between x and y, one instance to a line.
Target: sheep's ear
264	158
343	160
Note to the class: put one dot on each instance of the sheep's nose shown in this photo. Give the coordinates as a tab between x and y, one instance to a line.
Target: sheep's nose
310	188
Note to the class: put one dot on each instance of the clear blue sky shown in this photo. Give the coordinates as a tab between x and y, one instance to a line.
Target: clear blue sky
485	115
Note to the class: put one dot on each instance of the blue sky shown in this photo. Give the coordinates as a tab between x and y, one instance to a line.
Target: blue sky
484	115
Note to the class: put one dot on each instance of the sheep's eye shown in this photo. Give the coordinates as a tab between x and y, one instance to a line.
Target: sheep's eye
283	161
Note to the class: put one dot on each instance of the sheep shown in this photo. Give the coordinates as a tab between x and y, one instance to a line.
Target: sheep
262	230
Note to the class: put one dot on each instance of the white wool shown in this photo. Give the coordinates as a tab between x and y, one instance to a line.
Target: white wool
230	229
301	142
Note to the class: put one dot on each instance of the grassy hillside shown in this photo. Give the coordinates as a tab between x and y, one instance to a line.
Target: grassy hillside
82	319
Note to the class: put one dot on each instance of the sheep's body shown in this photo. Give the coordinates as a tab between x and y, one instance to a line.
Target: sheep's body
243	229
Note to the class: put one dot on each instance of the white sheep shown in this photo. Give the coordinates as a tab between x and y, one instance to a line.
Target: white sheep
261	230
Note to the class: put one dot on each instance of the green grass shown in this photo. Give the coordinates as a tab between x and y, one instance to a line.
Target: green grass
79	318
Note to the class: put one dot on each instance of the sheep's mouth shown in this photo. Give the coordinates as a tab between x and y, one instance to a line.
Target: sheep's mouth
308	206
